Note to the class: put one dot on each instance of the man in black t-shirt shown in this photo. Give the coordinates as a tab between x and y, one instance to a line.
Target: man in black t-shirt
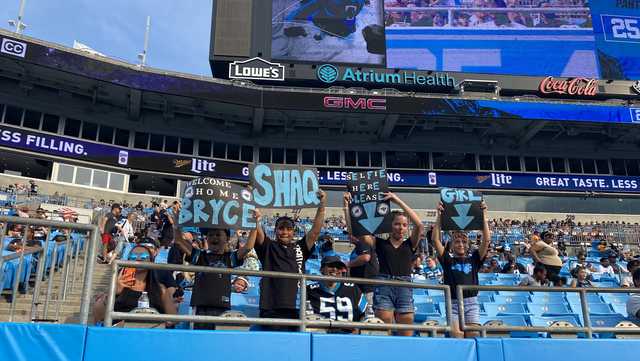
461	267
108	229
284	254
335	300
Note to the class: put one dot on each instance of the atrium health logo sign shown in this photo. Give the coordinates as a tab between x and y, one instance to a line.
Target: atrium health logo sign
328	73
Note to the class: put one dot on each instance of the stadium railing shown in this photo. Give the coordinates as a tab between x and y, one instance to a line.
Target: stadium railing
73	252
301	322
587	329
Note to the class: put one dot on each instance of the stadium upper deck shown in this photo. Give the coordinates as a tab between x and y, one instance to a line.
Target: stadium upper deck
69	105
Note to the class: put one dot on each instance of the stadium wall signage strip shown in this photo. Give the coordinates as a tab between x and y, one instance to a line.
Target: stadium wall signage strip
576	86
133	159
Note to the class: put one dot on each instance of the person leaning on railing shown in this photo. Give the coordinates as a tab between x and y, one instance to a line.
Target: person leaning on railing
285	254
633	303
461	267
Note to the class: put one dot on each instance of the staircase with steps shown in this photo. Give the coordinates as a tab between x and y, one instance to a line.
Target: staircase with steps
69	308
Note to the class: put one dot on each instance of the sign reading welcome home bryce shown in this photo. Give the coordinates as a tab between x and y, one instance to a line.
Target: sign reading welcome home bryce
216	203
462	210
369	212
284	187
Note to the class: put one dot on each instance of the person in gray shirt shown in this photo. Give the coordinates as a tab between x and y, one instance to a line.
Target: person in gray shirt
633	304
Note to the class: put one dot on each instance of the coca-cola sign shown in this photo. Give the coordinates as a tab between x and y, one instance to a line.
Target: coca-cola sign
575	86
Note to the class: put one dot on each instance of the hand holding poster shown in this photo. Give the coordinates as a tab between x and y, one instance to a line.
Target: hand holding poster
284	187
216	203
369	212
462	209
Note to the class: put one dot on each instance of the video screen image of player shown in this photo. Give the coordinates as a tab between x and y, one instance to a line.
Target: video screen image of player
335	31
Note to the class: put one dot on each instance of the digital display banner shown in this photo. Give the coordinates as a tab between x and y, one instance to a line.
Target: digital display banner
74	149
573	38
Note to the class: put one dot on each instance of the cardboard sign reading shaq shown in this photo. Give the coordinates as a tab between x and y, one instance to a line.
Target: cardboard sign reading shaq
216	203
462	210
369	213
276	186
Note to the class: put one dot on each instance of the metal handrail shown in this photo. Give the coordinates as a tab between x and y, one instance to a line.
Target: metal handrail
584	305
302	322
89	266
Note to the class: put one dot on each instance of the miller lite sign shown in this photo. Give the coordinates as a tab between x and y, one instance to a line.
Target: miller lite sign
256	69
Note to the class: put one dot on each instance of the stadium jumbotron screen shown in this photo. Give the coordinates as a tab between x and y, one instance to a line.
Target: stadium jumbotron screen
570	38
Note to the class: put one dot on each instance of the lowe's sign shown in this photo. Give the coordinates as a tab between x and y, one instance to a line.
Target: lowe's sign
329	74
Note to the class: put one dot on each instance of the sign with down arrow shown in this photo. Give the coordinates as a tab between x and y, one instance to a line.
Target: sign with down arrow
369	212
462	210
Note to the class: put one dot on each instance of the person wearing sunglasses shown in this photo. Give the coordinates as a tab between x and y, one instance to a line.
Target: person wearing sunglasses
132	283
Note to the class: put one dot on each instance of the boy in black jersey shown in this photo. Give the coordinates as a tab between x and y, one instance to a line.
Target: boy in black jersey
284	254
212	291
461	267
335	300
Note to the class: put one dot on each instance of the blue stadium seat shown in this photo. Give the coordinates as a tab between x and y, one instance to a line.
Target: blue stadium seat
513	293
424	310
483	297
549	309
421	299
513	320
540	321
600	309
492	309
606	321
613	298
522	298
620	308
591	297
547	297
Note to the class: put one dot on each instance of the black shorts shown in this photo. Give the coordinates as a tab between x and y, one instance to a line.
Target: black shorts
290	313
208	311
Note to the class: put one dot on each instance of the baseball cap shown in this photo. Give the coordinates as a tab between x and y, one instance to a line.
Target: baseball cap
285	221
332	260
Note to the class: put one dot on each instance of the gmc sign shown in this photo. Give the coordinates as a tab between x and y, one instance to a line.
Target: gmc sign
355	103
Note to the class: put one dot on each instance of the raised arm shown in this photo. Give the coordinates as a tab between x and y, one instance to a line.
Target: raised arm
185	243
486	233
251	241
347	215
318	221
436	234
418	228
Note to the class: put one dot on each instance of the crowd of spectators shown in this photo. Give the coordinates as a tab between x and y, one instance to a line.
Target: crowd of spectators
493	17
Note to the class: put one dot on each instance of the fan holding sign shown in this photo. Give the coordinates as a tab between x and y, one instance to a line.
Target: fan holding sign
461	264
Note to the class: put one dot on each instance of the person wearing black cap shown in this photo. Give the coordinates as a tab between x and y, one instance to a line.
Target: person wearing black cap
284	254
336	301
108	229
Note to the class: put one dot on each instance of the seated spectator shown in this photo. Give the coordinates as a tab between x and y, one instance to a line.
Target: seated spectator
336	301
604	266
582	263
613	263
633	303
581	278
131	285
418	268
632	266
433	271
538	279
240	285
492	267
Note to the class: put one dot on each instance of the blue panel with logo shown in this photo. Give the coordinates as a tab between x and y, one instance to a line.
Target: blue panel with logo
616	25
